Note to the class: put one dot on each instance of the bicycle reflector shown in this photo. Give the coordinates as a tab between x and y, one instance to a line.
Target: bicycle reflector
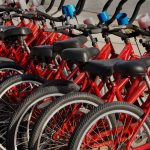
122	19
103	16
69	10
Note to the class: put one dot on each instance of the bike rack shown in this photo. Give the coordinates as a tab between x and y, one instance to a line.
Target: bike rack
59	7
106	6
118	9
80	6
104	16
50	6
136	11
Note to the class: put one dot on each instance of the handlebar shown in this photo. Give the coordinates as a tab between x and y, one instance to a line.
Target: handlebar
107	5
136	29
91	29
136	11
118	9
27	15
86	29
46	16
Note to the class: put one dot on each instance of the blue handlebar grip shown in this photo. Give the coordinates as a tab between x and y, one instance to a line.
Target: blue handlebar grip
69	10
103	17
122	19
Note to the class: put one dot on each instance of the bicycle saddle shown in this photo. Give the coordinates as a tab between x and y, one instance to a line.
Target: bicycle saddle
11	32
76	42
79	55
130	68
103	68
42	51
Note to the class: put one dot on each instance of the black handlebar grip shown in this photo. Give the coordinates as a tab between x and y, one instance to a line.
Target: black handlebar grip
107	5
56	19
144	32
136	11
138	30
80	6
118	9
50	6
120	34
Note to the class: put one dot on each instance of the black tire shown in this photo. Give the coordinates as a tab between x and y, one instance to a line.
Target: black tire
97	113
4	59
10	64
18	78
56	106
6	66
7	104
32	100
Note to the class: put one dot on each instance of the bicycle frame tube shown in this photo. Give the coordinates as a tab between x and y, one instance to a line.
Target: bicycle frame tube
139	127
128	52
105	51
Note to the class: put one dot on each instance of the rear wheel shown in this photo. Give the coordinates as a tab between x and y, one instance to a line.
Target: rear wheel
94	131
29	111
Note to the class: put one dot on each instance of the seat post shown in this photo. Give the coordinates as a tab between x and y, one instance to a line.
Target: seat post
147	81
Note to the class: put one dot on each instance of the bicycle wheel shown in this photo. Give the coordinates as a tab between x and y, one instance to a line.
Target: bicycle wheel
29	111
12	93
55	126
8	69
94	131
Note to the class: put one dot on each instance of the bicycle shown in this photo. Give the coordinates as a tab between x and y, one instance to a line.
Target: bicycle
131	126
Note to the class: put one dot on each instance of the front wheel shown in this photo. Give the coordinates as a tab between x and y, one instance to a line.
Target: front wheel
12	93
55	126
28	112
95	132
